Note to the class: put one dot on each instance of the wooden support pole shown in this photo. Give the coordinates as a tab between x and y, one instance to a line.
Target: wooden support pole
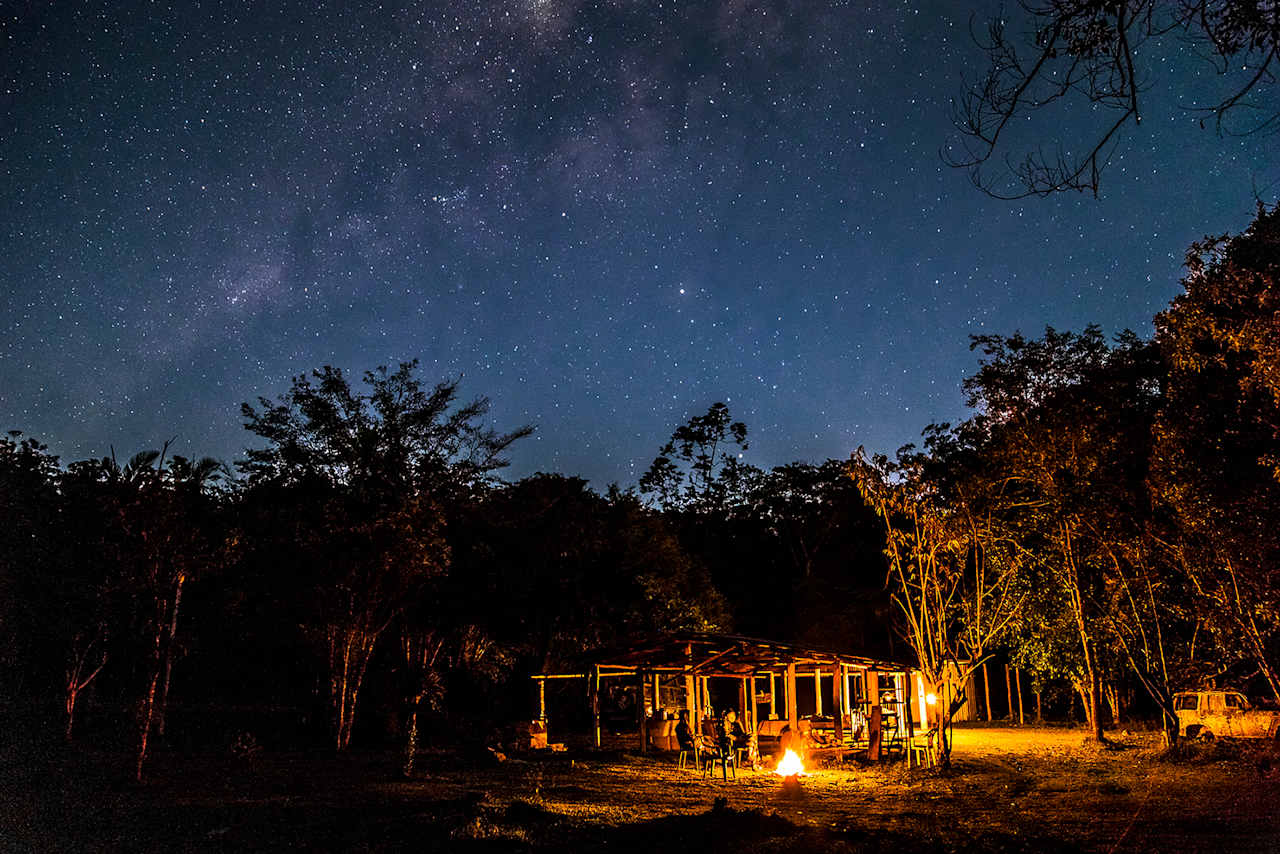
986	689
1039	717
542	700
755	711
908	697
691	702
1008	684
595	703
793	715
817	691
837	700
641	711
773	695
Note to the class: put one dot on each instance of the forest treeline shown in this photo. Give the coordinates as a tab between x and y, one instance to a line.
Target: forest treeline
1105	519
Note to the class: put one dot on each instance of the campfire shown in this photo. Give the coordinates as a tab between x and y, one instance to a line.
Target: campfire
790	765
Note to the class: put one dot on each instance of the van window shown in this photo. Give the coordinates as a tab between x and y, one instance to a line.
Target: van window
1185	703
1233	701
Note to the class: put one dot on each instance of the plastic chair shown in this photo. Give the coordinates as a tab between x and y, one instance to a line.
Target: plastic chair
688	749
923	747
726	756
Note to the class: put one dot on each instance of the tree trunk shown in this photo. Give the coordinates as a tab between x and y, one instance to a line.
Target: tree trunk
411	736
146	712
1112	696
349	653
163	706
1170	724
1095	719
77	681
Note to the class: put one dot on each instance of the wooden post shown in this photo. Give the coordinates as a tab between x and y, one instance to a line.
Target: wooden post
909	700
837	700
1008	685
817	691
793	715
1017	674
755	719
542	700
641	679
773	695
1039	717
986	689
691	703
595	702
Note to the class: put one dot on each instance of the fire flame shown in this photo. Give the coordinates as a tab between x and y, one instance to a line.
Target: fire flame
790	766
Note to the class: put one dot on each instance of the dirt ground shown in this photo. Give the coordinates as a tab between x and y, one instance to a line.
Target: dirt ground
1016	789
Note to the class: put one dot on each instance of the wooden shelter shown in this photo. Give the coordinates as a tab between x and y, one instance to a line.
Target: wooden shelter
766	681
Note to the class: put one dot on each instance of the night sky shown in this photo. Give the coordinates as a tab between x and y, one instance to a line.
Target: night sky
604	216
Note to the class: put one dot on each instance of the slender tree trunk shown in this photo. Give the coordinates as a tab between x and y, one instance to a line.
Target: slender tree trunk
1082	691
1095	719
77	681
986	689
411	736
349	651
1017	676
163	706
146	712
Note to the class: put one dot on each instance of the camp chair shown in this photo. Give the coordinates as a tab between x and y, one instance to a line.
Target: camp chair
924	747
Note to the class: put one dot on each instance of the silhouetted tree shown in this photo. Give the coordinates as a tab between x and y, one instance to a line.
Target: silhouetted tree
32	572
369	473
698	470
1216	466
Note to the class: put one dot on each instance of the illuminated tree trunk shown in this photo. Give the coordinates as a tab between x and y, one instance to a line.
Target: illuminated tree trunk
1077	599
350	648
77	679
163	707
146	712
164	623
421	649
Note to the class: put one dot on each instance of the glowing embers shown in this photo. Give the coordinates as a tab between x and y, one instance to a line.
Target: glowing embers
790	765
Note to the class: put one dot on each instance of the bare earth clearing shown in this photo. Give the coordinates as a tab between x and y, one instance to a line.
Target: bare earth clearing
1023	789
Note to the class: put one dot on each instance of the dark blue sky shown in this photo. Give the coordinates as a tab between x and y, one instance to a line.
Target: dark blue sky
604	216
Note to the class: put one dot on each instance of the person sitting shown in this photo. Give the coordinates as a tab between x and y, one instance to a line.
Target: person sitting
685	739
733	730
737	738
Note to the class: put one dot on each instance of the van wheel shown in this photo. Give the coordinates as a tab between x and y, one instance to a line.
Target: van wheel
1205	734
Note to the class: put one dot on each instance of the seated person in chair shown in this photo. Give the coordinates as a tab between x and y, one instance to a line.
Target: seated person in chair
738	738
685	739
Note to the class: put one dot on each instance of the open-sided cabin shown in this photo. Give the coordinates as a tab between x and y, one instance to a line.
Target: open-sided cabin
835	699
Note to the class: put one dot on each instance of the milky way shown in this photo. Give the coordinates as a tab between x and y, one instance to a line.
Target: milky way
604	216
